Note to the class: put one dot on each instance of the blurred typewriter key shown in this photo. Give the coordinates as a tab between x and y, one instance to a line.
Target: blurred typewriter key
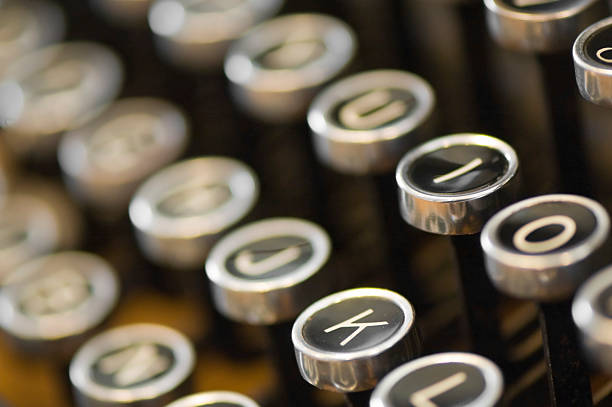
592	54
451	186
53	303
27	25
266	273
54	89
214	399
123	12
132	365
277	67
592	313
442	380
35	221
542	249
105	161
548	29
181	210
197	33
364	124
347	341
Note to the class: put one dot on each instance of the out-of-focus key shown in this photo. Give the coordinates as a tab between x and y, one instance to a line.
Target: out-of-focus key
542	249
592	313
214	399
365	123
26	25
181	210
54	89
347	341
35	221
196	34
50	305
105	161
139	364
276	68
442	379
266	273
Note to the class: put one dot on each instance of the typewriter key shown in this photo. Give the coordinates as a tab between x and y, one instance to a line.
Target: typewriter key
442	380
347	341
54	89
124	12
138	364
27	25
106	160
197	33
181	210
52	303
542	249
451	186
276	68
365	123
593	315
214	399
266	273
593	63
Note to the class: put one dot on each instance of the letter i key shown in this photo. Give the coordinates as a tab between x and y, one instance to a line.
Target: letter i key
347	341
542	249
451	186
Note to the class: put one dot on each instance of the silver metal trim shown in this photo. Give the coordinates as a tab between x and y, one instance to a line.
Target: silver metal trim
210	397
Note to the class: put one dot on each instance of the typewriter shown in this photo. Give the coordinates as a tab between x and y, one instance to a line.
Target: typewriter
287	203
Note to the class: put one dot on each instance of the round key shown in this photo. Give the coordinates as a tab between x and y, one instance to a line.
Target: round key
179	212
52	303
592	313
451	185
540	25
138	364
197	33
55	89
27	25
364	124
592	54
105	161
214	399
124	12
442	379
33	223
542	249
266	273
347	341
277	67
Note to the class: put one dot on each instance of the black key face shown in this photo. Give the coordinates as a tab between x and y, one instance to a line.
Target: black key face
457	169
55	291
270	258
540	6
549	227
443	385
603	302
291	55
354	324
373	109
194	200
133	365
599	46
